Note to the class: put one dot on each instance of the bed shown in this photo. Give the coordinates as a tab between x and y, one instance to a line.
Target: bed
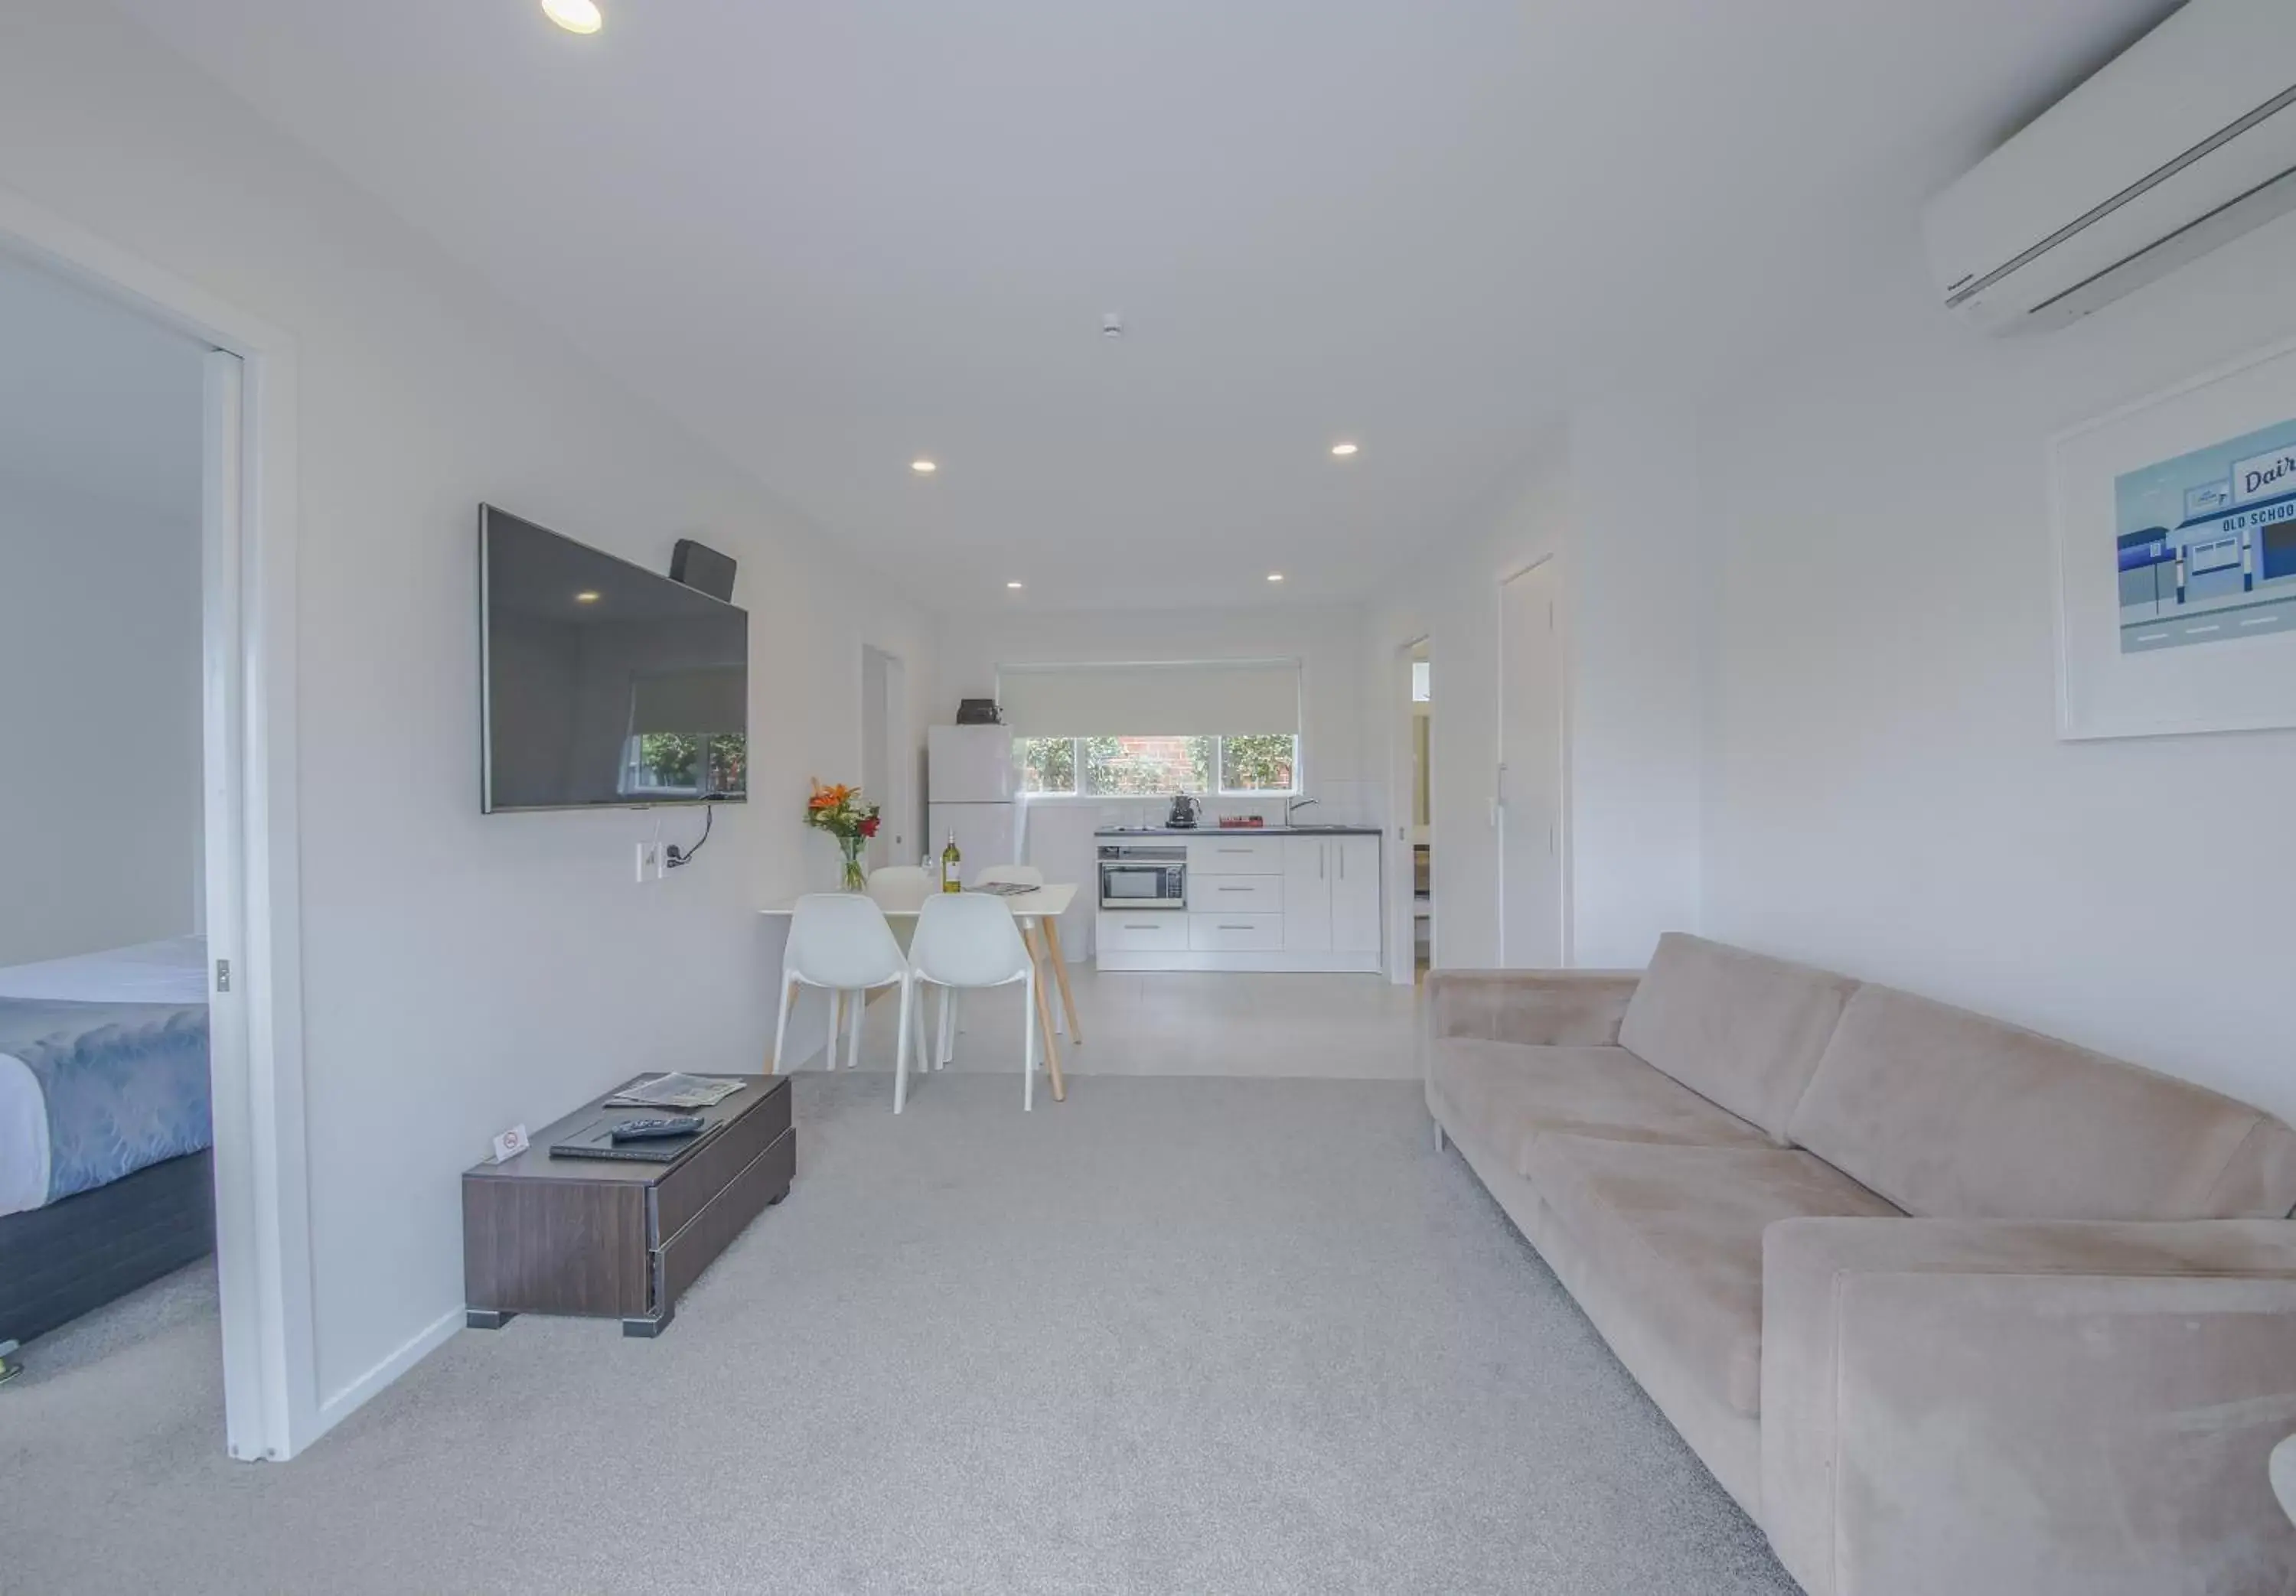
105	1172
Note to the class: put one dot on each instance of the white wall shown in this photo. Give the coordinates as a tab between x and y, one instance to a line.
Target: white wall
1886	792
100	473
100	710
1639	598
460	971
1452	600
1610	496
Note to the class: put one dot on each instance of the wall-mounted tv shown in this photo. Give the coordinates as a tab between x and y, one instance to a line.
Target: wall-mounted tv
605	685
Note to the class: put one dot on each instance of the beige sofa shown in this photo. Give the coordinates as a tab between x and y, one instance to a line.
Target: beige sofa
1949	1306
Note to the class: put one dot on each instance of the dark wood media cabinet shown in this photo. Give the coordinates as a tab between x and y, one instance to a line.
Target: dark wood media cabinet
612	1239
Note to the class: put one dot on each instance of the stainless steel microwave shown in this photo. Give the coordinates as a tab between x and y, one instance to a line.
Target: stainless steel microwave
1144	876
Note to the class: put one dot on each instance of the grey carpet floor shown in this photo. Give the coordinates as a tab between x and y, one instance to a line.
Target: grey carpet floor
1175	1335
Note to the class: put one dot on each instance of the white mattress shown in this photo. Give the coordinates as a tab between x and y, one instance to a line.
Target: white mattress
173	972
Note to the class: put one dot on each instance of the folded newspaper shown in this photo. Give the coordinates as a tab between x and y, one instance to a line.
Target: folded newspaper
675	1090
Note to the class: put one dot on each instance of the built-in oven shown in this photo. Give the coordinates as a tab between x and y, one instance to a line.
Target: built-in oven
1144	875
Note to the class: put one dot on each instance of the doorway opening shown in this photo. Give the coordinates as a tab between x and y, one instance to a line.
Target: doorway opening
184	923
889	765
107	1186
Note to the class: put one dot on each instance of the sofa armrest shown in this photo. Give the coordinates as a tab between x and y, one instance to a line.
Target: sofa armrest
2038	1407
1538	1008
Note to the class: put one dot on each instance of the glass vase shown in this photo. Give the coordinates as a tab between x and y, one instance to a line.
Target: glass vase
857	879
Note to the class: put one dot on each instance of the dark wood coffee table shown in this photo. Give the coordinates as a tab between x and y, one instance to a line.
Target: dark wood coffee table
620	1240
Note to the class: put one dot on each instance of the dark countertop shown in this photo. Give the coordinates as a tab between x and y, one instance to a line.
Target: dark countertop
1239	832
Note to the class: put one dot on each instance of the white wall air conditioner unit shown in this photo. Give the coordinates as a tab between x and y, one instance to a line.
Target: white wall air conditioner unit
2184	142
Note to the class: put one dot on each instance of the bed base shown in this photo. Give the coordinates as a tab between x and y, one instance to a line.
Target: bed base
74	1256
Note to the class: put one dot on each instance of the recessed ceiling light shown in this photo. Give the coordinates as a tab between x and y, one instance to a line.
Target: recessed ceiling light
1276	576
575	16
1013	584
585	598
1343	449
923	468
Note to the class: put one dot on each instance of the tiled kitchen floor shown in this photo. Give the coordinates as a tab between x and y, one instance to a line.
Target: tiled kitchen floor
1343	1026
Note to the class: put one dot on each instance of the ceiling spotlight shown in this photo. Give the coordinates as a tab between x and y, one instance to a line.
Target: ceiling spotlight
923	468
1343	449
585	597
575	16
1276	576
1014	586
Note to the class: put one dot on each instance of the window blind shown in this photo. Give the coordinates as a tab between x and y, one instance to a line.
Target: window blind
1223	699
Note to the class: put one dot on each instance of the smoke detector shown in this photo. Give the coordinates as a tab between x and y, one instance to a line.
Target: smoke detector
1112	325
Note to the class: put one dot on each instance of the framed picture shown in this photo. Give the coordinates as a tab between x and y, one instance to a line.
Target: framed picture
2174	520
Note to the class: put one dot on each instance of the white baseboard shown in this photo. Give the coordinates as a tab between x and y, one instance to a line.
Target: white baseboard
347	1401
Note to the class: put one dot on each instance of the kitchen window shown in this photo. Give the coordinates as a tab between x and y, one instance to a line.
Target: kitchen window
1264	766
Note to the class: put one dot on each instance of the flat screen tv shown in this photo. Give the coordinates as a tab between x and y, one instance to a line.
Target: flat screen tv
605	685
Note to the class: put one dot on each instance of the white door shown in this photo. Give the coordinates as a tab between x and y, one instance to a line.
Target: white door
1355	894
1307	894
1529	786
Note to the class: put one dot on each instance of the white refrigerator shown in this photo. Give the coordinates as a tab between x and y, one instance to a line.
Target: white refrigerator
973	787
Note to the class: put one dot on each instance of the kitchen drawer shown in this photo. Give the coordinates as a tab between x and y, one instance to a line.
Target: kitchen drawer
1142	931
1242	895
1235	933
1236	854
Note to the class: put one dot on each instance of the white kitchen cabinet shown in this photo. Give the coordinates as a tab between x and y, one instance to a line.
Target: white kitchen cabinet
1355	894
1307	868
1232	854
1142	931
1274	901
1234	933
1246	894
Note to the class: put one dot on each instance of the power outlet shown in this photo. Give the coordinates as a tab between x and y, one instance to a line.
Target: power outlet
649	861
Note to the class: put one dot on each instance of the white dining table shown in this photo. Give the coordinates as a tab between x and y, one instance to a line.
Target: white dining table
1039	912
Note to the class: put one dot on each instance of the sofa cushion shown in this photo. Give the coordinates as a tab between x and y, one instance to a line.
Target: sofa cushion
1500	1094
1676	1233
1741	1029
1952	1116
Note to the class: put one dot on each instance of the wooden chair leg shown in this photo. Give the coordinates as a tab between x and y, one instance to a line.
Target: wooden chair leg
1052	924
1045	1014
781	1027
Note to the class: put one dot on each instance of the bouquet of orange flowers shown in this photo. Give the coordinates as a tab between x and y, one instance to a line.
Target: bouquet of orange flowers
845	814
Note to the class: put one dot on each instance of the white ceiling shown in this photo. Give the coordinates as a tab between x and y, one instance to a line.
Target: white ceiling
833	237
96	399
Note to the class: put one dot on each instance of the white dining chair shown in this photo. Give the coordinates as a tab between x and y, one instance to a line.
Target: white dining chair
901	888
967	940
838	941
952	1013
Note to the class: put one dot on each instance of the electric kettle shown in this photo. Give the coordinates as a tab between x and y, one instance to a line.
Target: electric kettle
1185	811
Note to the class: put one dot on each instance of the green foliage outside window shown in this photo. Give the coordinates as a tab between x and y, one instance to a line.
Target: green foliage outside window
1258	764
1157	767
1146	766
1048	765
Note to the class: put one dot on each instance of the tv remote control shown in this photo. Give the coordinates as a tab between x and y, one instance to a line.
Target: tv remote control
648	1130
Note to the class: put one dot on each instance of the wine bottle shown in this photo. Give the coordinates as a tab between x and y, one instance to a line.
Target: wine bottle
949	860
